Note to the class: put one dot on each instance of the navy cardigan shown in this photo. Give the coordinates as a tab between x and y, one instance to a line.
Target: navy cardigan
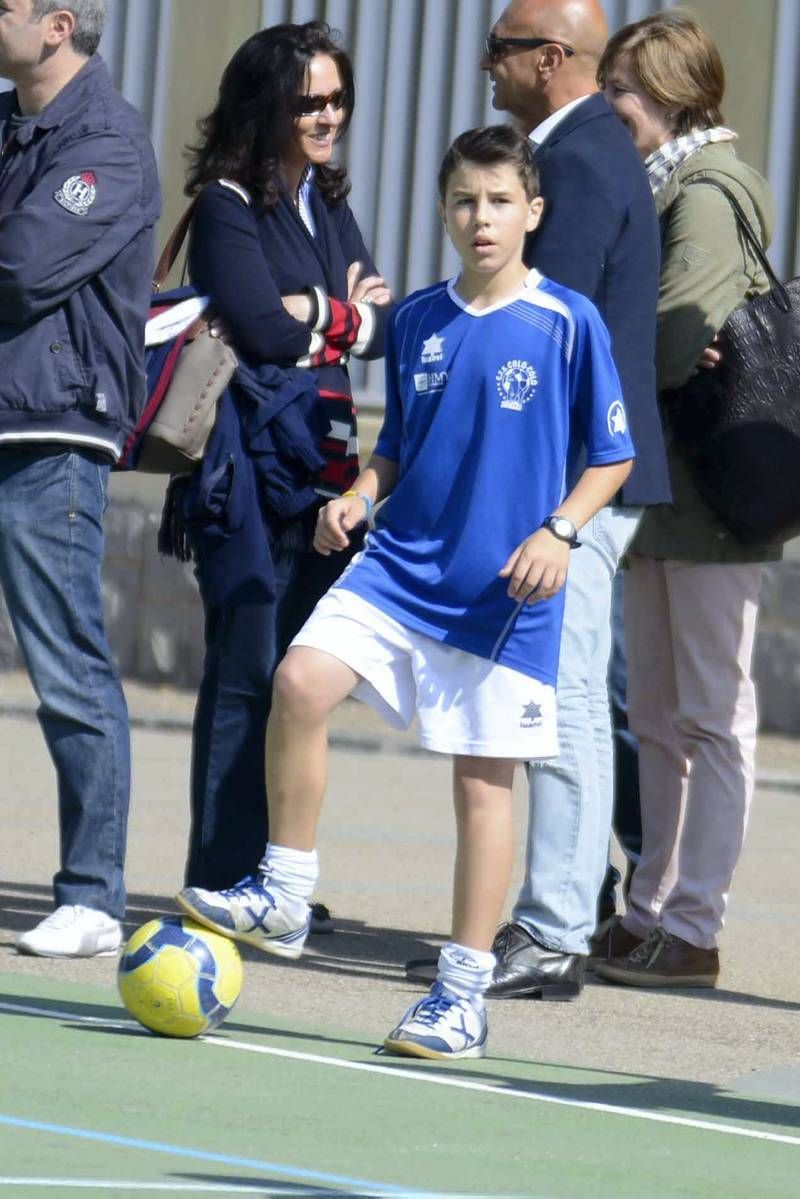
245	257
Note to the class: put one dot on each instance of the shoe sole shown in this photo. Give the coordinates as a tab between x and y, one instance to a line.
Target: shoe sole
412	1049
258	940
627	979
43	953
558	992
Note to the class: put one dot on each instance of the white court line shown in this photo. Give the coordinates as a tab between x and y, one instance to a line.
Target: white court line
443	1080
290	1191
103	1184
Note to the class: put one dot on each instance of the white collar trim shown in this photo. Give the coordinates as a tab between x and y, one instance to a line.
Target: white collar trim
531	281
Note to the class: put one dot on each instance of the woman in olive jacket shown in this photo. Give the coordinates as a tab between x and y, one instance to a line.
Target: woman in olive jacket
691	592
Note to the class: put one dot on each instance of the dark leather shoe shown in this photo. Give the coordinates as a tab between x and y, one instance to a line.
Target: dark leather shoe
663	960
526	969
614	942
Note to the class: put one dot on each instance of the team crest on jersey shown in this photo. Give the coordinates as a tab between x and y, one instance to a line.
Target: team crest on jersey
78	193
432	349
516	382
617	420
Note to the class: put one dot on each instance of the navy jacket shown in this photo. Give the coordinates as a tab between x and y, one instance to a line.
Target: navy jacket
599	235
256	476
78	201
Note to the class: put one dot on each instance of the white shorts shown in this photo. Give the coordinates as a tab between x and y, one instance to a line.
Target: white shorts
465	704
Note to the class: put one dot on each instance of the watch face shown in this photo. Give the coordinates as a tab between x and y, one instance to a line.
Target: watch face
562	527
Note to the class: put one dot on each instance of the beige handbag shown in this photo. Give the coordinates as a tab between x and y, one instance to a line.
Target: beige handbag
172	433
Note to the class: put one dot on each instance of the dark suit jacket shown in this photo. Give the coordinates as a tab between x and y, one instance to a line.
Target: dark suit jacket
599	235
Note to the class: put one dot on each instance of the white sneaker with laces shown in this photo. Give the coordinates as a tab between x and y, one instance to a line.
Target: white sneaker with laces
73	931
251	912
442	1026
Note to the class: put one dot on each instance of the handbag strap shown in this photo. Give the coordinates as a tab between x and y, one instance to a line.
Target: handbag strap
172	247
750	237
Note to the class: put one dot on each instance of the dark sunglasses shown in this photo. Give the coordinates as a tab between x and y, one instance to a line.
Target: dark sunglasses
307	105
496	47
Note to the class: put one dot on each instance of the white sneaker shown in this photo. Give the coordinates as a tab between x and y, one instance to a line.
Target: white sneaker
73	931
251	912
440	1026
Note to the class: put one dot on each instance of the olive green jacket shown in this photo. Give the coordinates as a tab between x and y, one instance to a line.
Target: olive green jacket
707	270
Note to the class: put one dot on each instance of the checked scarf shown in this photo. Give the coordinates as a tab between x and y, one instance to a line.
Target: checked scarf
668	157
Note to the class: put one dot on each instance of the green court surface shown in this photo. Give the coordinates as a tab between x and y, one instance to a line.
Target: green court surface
90	1104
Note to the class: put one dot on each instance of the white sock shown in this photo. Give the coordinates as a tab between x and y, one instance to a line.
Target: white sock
466	972
293	872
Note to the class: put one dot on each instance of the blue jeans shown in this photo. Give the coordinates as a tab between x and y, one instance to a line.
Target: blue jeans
571	797
244	644
52	502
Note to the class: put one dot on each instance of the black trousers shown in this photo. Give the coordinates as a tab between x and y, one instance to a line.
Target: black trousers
627	822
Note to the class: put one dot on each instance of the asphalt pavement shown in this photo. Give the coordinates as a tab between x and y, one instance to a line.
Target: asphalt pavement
386	850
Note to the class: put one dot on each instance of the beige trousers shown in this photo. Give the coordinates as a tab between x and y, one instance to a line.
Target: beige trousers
690	630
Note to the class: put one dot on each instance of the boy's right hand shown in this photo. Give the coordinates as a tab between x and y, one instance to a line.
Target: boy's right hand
335	522
537	569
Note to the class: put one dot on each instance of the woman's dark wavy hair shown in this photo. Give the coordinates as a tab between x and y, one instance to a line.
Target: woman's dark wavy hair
247	133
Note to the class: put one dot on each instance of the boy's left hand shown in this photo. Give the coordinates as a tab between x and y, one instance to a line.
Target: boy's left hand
537	569
335	521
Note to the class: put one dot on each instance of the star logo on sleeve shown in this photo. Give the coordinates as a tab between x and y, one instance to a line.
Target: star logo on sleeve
432	349
617	420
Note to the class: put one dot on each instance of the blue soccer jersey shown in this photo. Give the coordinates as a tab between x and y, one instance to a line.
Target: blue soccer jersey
488	413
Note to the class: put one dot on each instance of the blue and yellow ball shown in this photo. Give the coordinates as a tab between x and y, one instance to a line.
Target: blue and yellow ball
178	978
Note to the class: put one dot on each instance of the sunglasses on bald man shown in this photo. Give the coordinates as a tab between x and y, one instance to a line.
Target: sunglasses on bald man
496	47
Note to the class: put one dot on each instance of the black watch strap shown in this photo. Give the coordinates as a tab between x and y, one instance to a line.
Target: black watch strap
562	528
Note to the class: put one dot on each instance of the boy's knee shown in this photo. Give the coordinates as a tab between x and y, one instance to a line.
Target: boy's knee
294	691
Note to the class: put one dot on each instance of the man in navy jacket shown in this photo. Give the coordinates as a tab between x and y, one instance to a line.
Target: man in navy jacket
78	203
598	235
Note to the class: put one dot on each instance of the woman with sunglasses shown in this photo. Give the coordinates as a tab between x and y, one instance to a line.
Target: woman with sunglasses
278	251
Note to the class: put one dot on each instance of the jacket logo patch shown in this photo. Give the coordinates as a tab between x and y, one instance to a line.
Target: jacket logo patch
693	255
78	193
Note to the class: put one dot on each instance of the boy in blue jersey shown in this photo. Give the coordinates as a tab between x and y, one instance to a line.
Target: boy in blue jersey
498	381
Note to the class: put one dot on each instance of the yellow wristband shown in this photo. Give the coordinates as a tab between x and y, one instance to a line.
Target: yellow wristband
360	495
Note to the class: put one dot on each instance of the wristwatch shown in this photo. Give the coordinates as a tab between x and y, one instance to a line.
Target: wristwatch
563	529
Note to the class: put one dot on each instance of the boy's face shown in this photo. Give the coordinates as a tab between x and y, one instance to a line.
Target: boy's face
487	215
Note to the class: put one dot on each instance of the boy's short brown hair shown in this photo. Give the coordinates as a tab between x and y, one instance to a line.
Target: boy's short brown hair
491	145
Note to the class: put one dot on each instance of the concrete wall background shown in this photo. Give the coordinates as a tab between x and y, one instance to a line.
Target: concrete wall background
416	67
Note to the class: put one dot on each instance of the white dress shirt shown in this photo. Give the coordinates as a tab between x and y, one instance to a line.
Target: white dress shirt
546	127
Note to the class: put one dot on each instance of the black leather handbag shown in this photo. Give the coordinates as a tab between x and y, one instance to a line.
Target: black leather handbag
738	426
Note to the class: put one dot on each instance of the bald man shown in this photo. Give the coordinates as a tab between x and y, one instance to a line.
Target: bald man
599	235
